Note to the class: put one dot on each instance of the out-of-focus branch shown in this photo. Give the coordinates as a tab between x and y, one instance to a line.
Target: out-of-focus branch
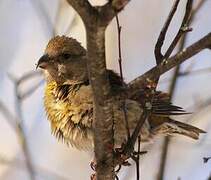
27	76
8	115
195	72
16	123
39	170
21	134
31	90
24	78
199	107
188	72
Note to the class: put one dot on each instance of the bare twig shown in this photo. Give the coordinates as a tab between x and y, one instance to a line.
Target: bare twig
158	47
138	158
188	18
121	75
182	30
171	94
173	61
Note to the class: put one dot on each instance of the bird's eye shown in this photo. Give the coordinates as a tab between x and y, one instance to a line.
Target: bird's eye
66	56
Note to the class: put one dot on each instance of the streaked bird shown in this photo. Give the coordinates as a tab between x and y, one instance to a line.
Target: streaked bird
68	100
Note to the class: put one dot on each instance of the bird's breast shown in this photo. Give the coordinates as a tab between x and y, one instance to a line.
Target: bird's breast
70	111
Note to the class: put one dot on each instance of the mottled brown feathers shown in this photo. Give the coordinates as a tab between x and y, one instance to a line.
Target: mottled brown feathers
68	100
63	44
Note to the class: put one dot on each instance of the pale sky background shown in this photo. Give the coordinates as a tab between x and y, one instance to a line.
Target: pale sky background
26	27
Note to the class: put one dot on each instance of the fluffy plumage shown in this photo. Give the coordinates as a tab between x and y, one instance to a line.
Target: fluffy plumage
68	100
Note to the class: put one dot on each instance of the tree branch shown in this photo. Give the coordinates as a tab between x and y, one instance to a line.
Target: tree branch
161	38
96	20
103	122
171	62
20	128
182	30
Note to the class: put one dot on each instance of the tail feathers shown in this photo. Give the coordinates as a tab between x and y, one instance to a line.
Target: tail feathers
171	127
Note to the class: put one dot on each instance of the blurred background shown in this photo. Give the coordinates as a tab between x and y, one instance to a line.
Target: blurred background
27	148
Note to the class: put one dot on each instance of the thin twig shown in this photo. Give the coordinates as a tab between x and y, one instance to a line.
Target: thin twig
188	18
159	59
121	75
129	147
158	47
171	62
182	30
138	158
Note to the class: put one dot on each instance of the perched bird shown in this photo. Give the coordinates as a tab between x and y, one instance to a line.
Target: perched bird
68	100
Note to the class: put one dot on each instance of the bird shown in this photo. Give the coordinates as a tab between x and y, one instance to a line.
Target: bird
68	100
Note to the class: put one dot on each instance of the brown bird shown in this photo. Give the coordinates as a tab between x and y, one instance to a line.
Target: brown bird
68	100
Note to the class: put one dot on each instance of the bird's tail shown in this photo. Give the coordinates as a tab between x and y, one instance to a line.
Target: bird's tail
171	127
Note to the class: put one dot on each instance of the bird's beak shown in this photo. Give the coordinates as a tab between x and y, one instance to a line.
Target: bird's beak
43	61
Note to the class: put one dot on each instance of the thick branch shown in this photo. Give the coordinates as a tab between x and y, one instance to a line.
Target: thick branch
103	121
168	64
96	20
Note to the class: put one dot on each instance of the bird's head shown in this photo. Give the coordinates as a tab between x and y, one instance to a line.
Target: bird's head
64	61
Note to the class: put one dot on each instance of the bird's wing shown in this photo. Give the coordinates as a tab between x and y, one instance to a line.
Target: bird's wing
161	104
163	107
